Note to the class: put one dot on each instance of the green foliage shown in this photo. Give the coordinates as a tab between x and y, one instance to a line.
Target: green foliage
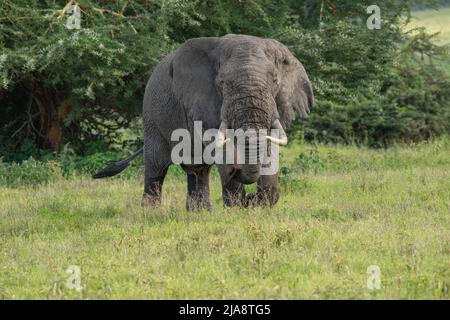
89	81
89	164
372	87
66	164
29	173
73	164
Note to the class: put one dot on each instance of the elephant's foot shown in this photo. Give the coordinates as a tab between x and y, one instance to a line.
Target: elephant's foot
152	190
253	200
233	194
267	194
149	200
261	199
234	199
198	204
198	188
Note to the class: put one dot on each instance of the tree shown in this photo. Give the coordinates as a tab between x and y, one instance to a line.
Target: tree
80	82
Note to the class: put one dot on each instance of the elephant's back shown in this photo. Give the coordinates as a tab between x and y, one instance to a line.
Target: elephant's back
159	103
159	83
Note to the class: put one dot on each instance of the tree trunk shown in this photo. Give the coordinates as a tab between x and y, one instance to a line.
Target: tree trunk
51	130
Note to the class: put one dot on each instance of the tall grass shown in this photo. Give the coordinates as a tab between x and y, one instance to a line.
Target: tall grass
342	209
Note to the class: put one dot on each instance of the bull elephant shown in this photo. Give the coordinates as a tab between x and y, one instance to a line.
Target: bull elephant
234	81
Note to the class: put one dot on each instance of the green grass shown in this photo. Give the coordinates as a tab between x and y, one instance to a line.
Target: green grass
342	209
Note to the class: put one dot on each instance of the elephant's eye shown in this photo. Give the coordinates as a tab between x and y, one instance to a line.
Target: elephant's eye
285	62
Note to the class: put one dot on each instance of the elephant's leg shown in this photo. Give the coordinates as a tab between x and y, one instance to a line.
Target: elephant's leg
233	194
267	192
157	161
153	188
198	188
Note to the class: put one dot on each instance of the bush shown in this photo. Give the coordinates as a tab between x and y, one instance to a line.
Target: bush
29	172
72	163
400	95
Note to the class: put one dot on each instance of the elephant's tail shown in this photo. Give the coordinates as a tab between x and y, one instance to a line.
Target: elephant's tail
116	167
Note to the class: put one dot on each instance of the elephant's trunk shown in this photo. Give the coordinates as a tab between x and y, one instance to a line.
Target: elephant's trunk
249	104
248	151
249	173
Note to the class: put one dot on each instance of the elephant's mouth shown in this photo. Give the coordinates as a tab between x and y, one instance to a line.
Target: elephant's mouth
250	154
280	137
242	174
248	174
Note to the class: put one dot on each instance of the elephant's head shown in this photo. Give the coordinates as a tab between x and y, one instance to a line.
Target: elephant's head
244	82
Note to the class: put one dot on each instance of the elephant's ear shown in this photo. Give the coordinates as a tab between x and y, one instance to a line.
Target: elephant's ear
295	95
193	72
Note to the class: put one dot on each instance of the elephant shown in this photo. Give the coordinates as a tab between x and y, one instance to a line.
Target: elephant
228	82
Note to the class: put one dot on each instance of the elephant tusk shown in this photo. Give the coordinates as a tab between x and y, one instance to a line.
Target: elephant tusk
283	140
220	138
220	144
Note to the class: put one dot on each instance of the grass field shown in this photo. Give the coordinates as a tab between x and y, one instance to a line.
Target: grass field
342	209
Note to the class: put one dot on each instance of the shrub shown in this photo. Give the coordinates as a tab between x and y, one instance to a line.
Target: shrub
29	172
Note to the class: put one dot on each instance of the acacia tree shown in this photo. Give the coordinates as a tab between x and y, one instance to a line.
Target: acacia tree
78	82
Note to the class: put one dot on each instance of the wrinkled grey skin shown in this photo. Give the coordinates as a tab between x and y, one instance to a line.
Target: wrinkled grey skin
246	81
